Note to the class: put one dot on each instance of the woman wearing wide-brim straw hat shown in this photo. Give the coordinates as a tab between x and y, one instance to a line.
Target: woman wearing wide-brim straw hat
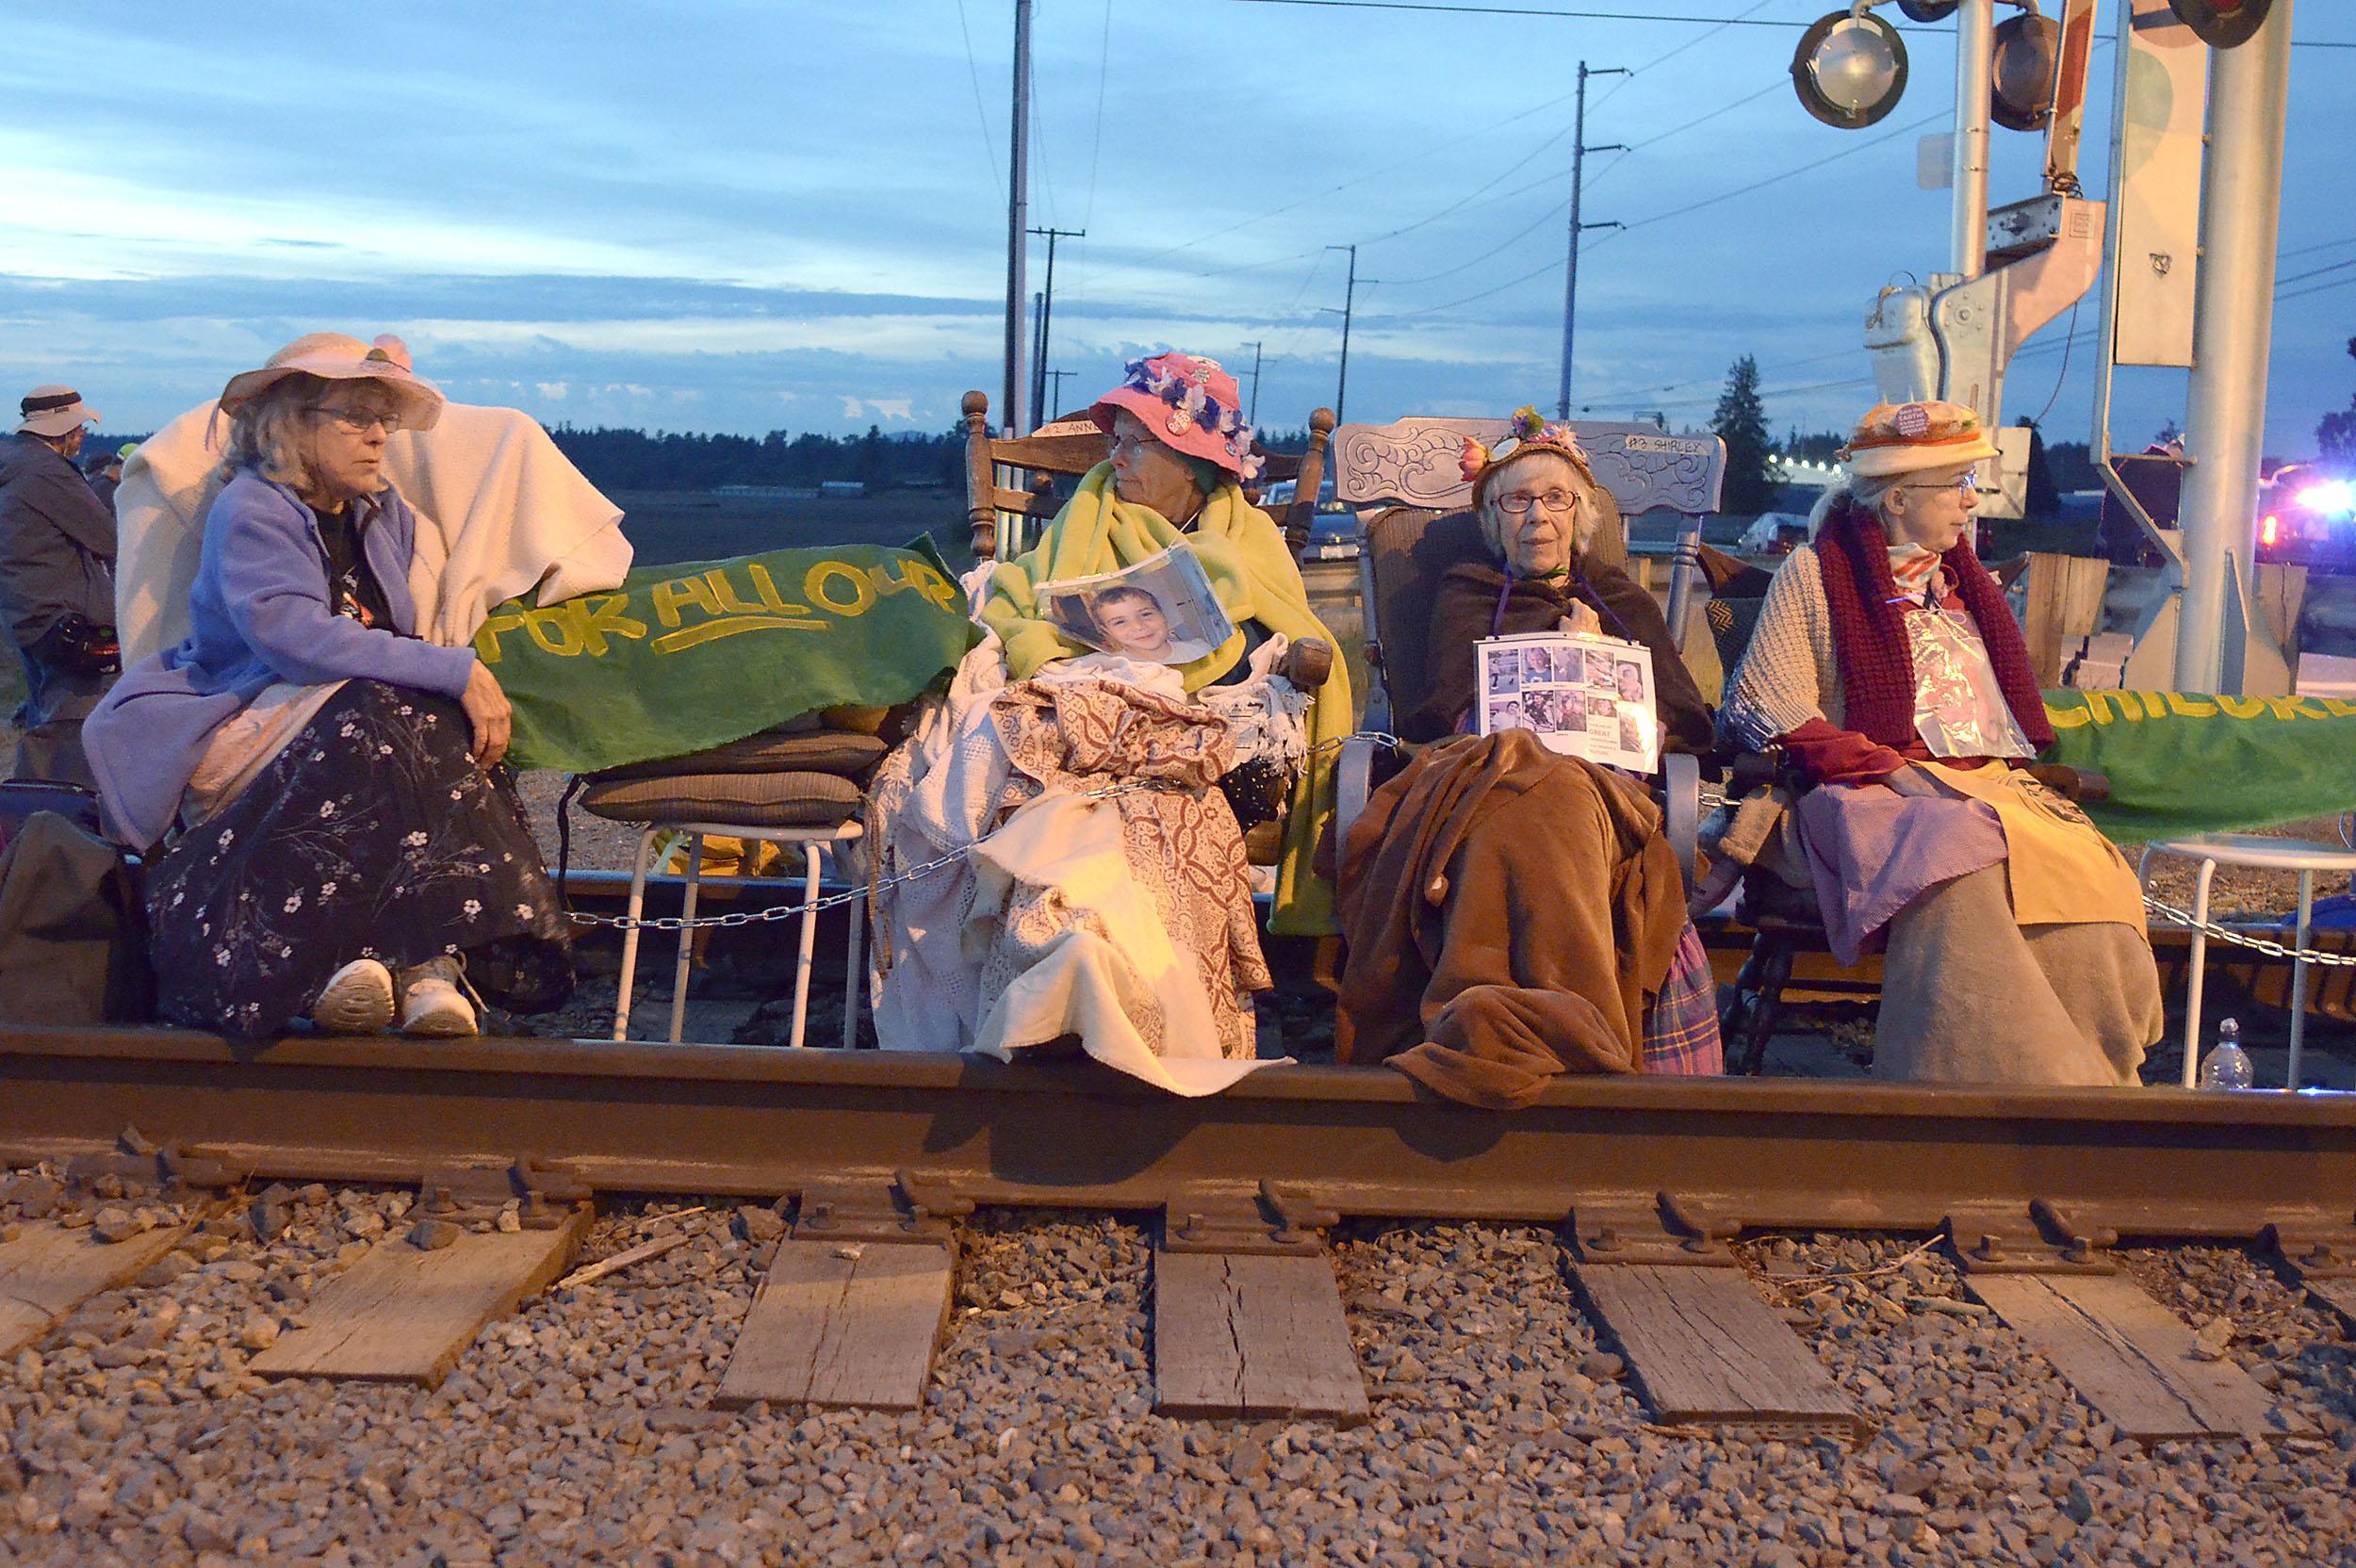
337	839
1890	676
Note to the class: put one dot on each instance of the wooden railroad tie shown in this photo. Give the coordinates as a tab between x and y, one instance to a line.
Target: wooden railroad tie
50	1270
1704	1350
2127	1355
1248	1320
405	1312
854	1304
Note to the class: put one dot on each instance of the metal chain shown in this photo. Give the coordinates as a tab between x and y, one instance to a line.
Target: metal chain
2242	939
790	911
1709	798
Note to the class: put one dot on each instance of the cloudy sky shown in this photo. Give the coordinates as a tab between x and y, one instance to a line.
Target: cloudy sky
777	215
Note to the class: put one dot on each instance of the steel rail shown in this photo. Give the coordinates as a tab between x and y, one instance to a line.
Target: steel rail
764	1122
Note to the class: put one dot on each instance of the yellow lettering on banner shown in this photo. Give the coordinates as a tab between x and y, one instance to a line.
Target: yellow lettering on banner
2295	708
669	596
814	584
2339	708
2067	718
2242	708
604	618
486	642
768	591
917	576
724	590
2187	705
2100	705
560	628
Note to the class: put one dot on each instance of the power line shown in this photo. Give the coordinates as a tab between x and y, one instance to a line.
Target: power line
1526	10
1742	21
1789	174
1096	135
2319	245
1679	212
974	73
2316	273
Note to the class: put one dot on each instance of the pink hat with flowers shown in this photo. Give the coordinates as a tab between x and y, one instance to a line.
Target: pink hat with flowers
1529	433
1191	407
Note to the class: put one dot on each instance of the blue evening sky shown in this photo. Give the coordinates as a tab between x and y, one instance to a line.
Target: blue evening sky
762	215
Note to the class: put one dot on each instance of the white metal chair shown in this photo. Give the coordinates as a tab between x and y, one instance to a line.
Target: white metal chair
2212	850
813	842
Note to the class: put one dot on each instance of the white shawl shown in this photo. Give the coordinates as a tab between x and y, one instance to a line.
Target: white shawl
499	508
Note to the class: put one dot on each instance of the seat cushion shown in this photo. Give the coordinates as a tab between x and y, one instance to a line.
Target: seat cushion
831	751
736	799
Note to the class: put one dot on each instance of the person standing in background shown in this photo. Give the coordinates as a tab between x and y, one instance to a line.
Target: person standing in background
57	583
105	472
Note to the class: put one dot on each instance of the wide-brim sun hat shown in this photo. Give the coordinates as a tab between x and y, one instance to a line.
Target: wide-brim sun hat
1190	404
333	356
1907	438
53	411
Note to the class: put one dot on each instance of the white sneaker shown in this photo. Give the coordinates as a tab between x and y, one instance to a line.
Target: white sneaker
431	1001
356	1000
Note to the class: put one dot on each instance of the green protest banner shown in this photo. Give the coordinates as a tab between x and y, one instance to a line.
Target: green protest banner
684	656
2181	763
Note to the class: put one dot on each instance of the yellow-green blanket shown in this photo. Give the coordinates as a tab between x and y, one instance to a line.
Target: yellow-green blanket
1243	553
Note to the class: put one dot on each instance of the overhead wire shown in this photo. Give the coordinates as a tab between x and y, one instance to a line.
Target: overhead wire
974	73
1096	135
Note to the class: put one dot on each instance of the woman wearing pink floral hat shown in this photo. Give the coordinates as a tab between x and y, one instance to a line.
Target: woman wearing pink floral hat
1181	453
1889	673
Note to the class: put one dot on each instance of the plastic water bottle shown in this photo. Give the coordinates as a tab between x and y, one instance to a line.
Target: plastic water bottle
2228	1066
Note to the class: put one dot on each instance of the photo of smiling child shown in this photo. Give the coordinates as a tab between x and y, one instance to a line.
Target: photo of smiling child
1161	611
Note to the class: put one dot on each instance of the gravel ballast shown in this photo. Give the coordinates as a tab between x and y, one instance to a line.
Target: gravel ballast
1502	1431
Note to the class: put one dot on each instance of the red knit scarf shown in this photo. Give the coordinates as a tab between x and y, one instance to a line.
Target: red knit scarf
1868	635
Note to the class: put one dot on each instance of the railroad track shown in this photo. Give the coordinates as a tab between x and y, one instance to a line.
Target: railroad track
511	1143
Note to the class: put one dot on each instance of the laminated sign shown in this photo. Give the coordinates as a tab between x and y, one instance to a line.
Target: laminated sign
687	657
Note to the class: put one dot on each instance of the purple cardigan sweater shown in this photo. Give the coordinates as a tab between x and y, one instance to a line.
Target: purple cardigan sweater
258	615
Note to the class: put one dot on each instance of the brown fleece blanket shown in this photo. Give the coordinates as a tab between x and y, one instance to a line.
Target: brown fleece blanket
1510	915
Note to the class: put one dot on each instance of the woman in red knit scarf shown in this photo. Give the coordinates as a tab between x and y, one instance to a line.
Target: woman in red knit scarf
1889	674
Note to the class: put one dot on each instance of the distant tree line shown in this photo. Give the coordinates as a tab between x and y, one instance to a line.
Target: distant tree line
677	460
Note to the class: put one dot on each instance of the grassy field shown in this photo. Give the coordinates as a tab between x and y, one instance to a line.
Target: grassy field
668	526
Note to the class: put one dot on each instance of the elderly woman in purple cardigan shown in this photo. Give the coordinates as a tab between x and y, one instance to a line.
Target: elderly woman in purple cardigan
338	840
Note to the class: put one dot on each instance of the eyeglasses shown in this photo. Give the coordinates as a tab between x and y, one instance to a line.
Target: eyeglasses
355	421
1968	486
1520	504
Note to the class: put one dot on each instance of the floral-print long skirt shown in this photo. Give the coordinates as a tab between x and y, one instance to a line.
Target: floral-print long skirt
371	834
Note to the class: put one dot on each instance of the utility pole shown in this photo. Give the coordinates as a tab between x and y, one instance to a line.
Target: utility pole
1975	63
1253	417
1047	409
1046	315
1349	302
1018	220
1578	178
2232	336
1037	389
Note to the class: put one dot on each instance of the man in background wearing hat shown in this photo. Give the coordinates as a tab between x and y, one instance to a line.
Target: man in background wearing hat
57	583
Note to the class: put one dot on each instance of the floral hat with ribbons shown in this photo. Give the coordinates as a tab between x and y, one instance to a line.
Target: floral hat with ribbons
1905	438
1528	432
1190	404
